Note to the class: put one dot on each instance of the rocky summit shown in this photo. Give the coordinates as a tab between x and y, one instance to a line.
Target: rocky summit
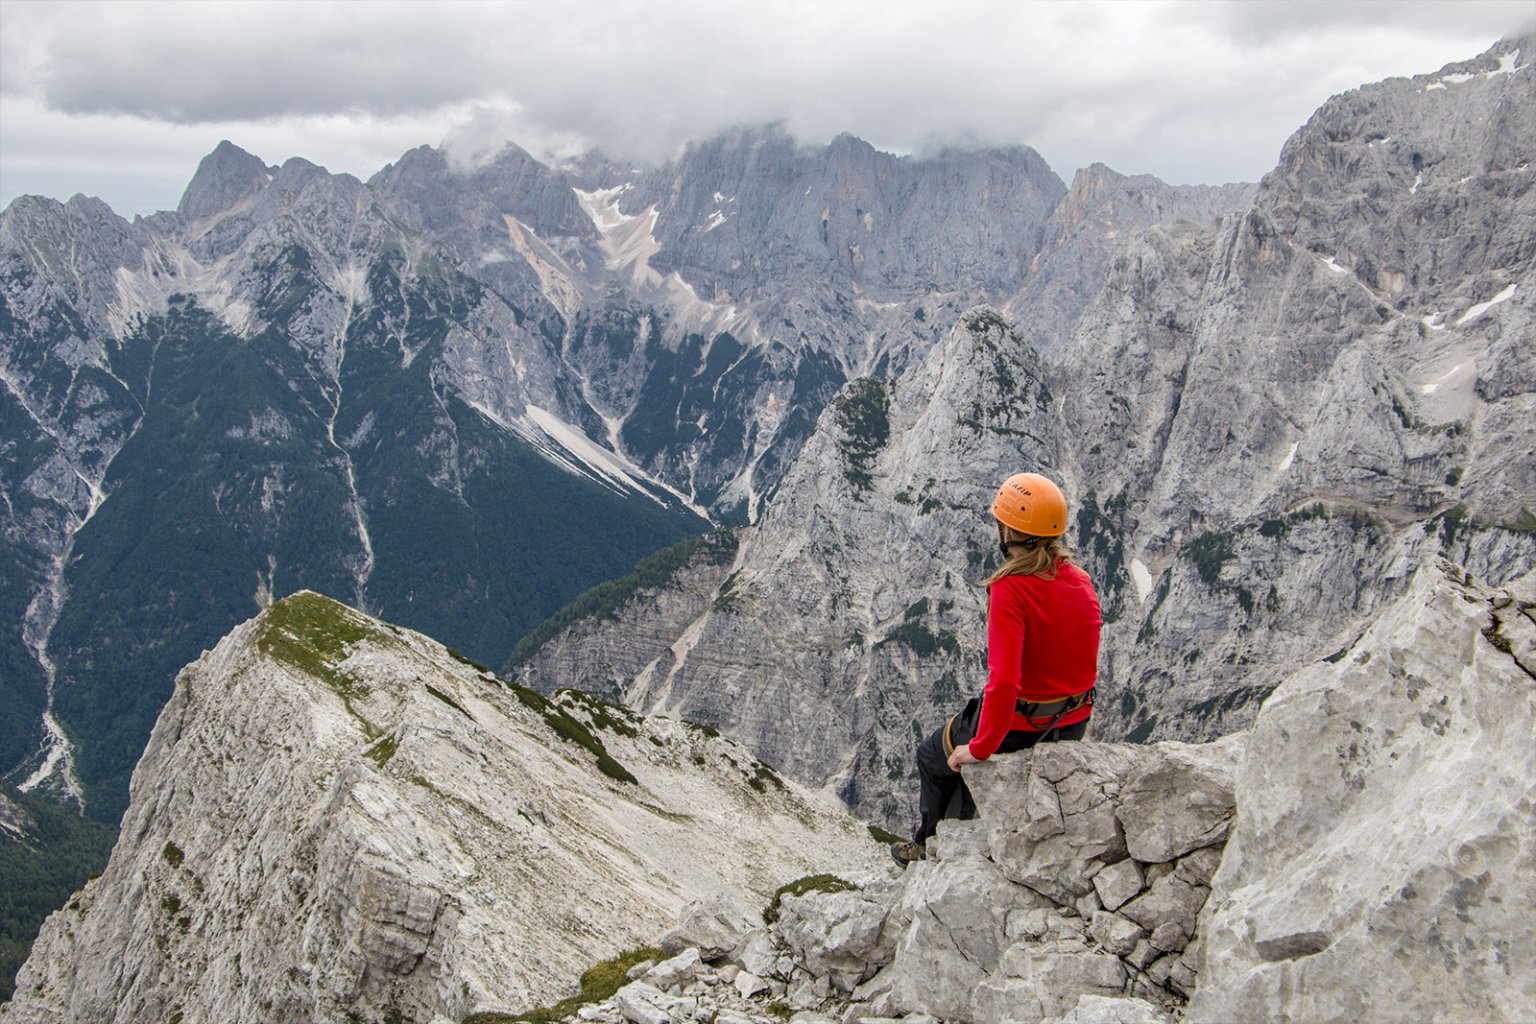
338	819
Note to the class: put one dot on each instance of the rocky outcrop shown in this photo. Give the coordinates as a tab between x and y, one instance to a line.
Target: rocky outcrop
1085	873
1083	877
336	816
1382	863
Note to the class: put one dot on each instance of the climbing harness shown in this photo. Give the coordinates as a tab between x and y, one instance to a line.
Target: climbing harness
1031	710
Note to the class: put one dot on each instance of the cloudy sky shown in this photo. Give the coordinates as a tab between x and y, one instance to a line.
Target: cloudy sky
120	100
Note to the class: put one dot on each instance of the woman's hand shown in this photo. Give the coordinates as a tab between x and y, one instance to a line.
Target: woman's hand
962	755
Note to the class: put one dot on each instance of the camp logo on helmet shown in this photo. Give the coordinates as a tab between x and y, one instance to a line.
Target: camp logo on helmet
1032	504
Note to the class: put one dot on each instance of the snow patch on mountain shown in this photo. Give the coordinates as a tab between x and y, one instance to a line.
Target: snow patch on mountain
1482	307
628	240
576	453
1141	576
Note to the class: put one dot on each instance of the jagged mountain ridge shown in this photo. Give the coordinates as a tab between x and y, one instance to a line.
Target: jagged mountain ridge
1262	440
337	818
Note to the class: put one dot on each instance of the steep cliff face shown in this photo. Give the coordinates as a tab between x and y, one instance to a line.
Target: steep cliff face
868	222
1260	447
620	627
1383	860
1100	213
336	816
1277	434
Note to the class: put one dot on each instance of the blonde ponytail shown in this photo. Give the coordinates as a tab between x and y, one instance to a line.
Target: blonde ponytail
1029	556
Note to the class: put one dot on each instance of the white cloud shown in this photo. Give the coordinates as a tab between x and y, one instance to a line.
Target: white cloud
1187	91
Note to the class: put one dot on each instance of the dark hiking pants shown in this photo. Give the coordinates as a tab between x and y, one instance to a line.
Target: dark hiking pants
943	793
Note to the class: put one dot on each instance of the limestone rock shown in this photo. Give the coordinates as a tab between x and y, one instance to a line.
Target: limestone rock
1048	832
1094	1009
956	936
838	934
224	177
1361	881
1039	980
716	926
1115	933
1118	882
442	847
646	1004
677	971
1178	801
1169	900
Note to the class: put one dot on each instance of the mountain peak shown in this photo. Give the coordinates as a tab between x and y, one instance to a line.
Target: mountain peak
437	828
224	177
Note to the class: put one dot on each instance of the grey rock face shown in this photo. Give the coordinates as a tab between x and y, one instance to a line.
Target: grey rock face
746	211
224	178
1100	212
599	654
1381	862
335	815
1092	1009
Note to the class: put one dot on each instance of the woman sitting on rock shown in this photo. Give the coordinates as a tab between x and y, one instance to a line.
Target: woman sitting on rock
1043	623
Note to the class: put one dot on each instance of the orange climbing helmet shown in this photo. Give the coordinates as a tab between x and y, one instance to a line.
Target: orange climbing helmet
1031	504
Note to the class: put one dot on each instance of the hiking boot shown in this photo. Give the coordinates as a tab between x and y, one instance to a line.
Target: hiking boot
906	853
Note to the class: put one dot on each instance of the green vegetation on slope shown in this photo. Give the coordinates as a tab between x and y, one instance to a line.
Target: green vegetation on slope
38	873
863	417
603	600
597	983
569	729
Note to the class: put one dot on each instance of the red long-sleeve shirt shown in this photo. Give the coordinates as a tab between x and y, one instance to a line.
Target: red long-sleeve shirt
1042	645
